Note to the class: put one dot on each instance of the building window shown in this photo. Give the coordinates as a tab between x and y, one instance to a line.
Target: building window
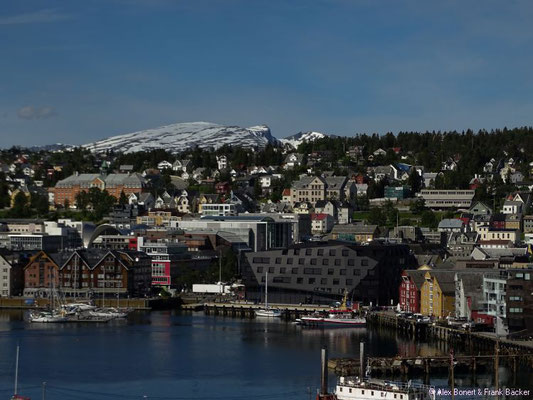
301	261
313	261
337	261
299	280
308	252
282	270
351	262
259	270
323	281
311	280
335	281
364	262
330	271
343	272
278	260
294	271
271	270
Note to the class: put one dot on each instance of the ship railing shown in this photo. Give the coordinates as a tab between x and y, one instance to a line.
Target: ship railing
369	383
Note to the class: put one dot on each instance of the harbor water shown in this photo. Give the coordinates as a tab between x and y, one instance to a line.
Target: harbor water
173	355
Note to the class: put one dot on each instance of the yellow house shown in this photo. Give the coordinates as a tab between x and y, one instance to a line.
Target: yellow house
437	294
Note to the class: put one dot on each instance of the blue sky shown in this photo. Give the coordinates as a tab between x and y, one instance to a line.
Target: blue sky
74	72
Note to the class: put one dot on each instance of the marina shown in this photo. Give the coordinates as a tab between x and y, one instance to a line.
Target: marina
161	353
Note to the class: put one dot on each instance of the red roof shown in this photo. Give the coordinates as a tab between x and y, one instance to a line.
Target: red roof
286	192
318	216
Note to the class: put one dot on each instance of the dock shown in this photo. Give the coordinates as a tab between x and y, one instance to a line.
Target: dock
449	334
247	310
22	303
425	366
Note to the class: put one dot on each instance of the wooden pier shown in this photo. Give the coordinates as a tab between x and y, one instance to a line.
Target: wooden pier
451	335
247	310
425	366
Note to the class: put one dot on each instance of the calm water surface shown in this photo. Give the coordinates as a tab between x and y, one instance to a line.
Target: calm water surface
168	355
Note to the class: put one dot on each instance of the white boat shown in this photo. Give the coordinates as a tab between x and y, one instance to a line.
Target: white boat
78	306
48	317
108	312
352	388
333	318
266	311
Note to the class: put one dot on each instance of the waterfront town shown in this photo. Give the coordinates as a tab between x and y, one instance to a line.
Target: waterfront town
437	232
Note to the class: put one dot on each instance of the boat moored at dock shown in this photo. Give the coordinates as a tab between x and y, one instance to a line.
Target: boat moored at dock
353	388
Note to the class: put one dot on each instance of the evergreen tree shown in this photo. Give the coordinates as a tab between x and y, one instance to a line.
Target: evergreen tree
20	207
415	181
123	200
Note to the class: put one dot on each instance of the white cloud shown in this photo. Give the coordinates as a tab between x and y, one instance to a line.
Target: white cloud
40	16
31	112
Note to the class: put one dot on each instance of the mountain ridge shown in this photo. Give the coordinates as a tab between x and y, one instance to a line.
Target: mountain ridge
185	135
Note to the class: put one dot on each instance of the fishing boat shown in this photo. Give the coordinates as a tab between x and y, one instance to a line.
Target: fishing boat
335	317
267	311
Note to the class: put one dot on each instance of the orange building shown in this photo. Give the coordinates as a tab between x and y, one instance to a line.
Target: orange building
68	188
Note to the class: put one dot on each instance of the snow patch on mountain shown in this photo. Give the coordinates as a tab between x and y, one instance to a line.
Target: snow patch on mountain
295	140
182	136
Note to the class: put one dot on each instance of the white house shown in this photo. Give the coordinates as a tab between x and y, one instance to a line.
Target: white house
512	207
222	162
164	165
5	277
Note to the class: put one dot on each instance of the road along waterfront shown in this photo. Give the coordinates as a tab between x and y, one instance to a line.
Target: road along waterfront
189	355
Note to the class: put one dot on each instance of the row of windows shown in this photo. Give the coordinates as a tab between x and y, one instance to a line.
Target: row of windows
311	271
311	281
312	261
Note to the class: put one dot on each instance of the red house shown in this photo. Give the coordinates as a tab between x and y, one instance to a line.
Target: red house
410	286
222	187
497	221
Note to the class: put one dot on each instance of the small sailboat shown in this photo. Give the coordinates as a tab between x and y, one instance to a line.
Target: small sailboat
267	311
16	396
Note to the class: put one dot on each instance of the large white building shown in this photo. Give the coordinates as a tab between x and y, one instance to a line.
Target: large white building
442	199
259	232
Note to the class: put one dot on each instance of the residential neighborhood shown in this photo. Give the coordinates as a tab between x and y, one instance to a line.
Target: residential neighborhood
168	221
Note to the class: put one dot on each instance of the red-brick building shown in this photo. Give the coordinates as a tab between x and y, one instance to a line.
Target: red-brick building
67	189
89	272
42	271
410	286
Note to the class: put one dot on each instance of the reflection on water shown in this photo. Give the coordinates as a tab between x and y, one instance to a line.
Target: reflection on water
197	356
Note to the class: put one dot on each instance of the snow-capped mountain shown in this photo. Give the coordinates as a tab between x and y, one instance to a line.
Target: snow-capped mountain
296	140
181	136
52	147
